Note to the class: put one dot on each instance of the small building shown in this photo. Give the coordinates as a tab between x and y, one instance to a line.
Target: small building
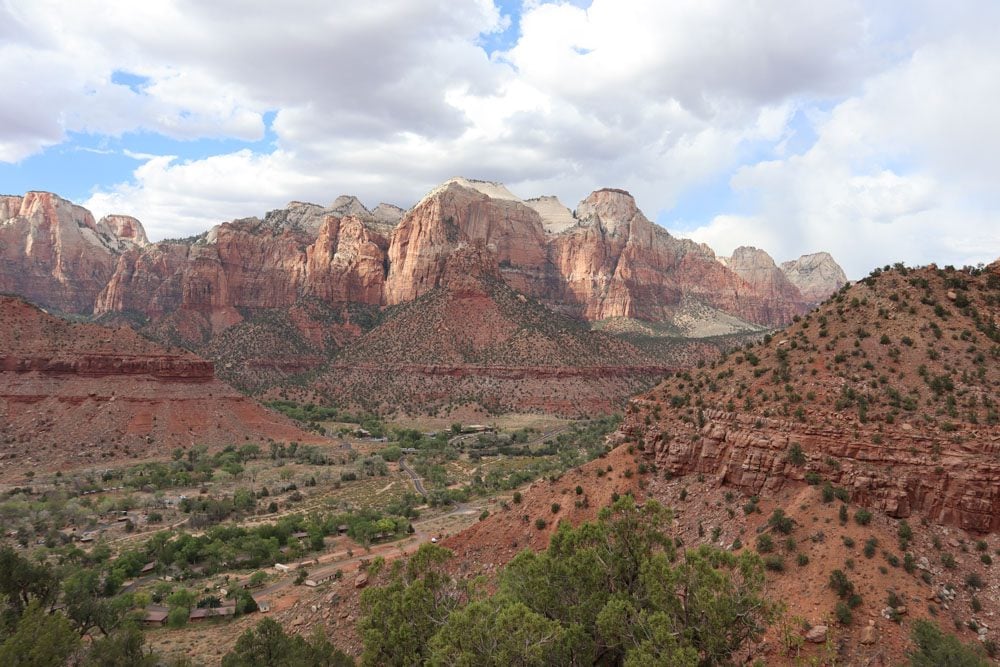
301	535
322	576
263	604
342	529
155	616
281	567
148	567
202	614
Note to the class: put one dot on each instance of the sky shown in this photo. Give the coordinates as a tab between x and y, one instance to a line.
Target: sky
866	129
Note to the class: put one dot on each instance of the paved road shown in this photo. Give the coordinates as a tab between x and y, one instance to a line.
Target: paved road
417	482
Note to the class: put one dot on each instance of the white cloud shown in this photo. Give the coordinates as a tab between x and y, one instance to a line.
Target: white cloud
386	99
903	171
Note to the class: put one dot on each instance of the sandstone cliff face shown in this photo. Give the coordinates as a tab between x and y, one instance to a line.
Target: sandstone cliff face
125	229
54	253
616	263
455	215
767	282
817	276
605	261
295	252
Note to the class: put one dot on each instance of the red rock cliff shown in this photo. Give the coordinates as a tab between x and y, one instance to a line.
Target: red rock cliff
54	253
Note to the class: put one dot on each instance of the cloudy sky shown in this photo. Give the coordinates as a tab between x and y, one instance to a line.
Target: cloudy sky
866	129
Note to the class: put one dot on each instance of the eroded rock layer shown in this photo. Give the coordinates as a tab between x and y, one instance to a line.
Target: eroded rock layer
111	393
887	390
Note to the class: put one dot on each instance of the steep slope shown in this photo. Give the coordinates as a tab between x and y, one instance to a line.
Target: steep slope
300	251
54	252
605	261
74	394
474	339
889	390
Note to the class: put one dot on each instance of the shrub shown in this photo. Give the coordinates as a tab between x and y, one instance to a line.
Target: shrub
780	522
843	613
973	580
948	560
774	562
517	498
827	492
540	523
765	544
870	544
795	455
802	560
904	531
555	508
841	585
862	517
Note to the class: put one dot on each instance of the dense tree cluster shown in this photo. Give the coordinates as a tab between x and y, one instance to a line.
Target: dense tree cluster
613	592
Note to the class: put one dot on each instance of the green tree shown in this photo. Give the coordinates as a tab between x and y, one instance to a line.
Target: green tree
934	648
267	645
22	581
399	619
612	592
498	633
40	640
86	608
126	647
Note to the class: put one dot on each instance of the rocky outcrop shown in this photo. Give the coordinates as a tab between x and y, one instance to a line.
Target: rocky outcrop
257	264
817	276
125	229
111	393
54	253
615	263
869	413
900	477
767	282
455	215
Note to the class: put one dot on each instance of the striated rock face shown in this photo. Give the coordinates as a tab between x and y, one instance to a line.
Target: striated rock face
473	339
605	261
766	281
869	413
54	253
110	392
126	229
455	215
817	276
616	263
299	251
